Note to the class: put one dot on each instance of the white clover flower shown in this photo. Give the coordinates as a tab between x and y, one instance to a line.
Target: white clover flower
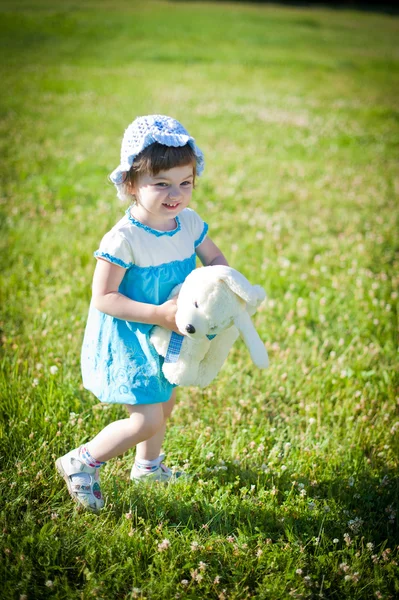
53	369
335	541
395	427
347	539
195	575
49	583
164	545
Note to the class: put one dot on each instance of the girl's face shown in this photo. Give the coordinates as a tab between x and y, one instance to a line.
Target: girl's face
162	197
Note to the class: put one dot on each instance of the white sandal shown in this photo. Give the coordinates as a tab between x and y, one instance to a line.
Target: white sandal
162	473
83	482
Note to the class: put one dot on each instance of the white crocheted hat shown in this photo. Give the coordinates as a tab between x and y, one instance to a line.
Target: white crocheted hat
146	130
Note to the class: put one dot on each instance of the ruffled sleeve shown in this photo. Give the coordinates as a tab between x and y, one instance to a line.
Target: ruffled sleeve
115	248
198	228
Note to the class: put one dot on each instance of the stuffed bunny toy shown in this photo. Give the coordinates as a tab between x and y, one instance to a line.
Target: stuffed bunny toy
214	307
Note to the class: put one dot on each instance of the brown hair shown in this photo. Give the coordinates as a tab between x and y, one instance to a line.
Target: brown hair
158	157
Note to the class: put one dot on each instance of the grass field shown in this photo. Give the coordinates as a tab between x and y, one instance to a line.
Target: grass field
295	489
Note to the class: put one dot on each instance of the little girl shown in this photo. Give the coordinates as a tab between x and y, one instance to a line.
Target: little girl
145	255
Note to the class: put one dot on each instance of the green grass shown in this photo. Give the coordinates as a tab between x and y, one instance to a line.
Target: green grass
296	486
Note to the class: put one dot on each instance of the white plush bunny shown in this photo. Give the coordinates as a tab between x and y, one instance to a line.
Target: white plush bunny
214	307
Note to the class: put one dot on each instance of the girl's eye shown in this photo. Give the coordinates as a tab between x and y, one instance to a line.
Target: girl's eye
161	185
196	304
186	183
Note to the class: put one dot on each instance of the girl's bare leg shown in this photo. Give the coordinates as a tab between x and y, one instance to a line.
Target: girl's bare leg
150	448
144	422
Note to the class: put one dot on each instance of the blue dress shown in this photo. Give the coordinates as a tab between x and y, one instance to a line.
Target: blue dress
119	363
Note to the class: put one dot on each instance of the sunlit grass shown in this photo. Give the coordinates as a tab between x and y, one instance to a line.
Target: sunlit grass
295	487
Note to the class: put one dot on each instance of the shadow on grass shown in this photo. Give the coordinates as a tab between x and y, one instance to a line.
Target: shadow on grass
334	506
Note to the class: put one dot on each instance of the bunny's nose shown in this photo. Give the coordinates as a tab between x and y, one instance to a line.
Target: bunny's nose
190	328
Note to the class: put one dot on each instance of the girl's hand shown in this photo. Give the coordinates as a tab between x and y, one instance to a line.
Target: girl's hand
166	315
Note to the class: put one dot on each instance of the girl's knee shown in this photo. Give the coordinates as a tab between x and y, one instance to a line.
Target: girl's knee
148	418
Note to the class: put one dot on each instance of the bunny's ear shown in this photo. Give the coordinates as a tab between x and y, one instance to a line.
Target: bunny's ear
252	340
251	294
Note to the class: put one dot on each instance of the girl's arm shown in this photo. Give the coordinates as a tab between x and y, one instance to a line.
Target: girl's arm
107	299
210	255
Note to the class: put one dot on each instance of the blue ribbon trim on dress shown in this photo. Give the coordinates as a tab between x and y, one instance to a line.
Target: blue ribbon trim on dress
175	344
202	236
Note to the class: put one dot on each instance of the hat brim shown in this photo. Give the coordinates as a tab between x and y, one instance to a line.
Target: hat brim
118	175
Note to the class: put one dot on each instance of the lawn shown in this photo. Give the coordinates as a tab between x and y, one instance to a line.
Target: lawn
295	485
